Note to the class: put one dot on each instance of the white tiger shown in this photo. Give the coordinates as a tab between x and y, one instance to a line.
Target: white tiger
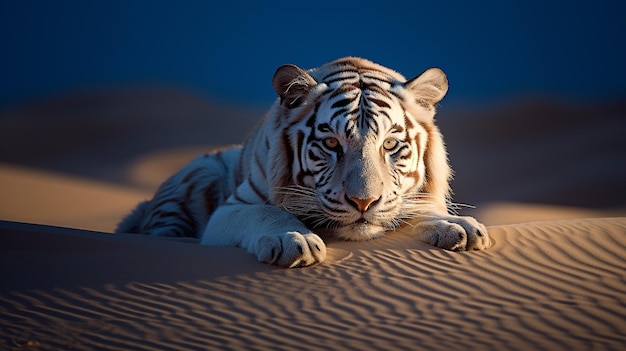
349	148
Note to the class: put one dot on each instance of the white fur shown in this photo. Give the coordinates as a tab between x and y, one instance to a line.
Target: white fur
286	183
267	229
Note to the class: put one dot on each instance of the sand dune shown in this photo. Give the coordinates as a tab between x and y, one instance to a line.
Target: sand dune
543	286
43	197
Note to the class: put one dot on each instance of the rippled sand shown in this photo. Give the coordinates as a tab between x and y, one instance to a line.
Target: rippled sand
543	286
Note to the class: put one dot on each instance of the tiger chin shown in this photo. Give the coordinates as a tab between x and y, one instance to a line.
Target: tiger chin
349	148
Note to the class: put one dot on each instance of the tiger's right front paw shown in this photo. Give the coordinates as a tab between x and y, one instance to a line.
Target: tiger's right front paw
291	249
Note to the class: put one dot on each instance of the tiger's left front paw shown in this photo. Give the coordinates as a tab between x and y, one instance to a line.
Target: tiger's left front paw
455	233
291	249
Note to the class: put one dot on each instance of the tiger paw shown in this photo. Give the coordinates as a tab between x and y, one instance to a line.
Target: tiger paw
291	249
455	233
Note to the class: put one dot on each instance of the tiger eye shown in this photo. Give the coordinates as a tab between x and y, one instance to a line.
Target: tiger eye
331	143
390	144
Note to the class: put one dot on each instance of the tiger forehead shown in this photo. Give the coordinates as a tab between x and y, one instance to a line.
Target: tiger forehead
360	111
366	83
359	78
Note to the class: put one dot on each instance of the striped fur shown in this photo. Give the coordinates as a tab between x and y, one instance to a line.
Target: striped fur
348	148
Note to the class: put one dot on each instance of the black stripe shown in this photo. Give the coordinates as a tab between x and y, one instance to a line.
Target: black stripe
380	103
378	79
299	147
289	156
257	191
184	207
151	226
162	203
341	103
238	172
333	209
396	127
267	143
373	125
167	214
400	149
342	70
310	122
212	198
324	127
177	228
341	90
338	112
314	157
350	130
190	175
418	145
407	121
332	201
239	199
259	164
180	217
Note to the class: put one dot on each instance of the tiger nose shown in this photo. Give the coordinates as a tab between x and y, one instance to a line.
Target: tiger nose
361	204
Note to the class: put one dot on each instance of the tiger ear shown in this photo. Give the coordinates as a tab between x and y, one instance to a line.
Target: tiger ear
429	87
292	84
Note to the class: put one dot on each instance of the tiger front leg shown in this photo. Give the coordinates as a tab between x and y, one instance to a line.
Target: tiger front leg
456	233
273	235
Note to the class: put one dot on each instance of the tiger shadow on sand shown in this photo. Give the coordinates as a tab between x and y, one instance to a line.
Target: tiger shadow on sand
349	148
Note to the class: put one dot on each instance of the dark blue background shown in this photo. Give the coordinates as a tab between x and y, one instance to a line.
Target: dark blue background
229	49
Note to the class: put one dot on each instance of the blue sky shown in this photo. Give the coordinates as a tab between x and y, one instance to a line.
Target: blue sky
229	50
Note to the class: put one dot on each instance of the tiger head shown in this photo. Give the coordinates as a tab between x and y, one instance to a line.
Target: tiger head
363	153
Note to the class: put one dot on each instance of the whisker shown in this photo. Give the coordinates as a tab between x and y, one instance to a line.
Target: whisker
303	203
455	207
